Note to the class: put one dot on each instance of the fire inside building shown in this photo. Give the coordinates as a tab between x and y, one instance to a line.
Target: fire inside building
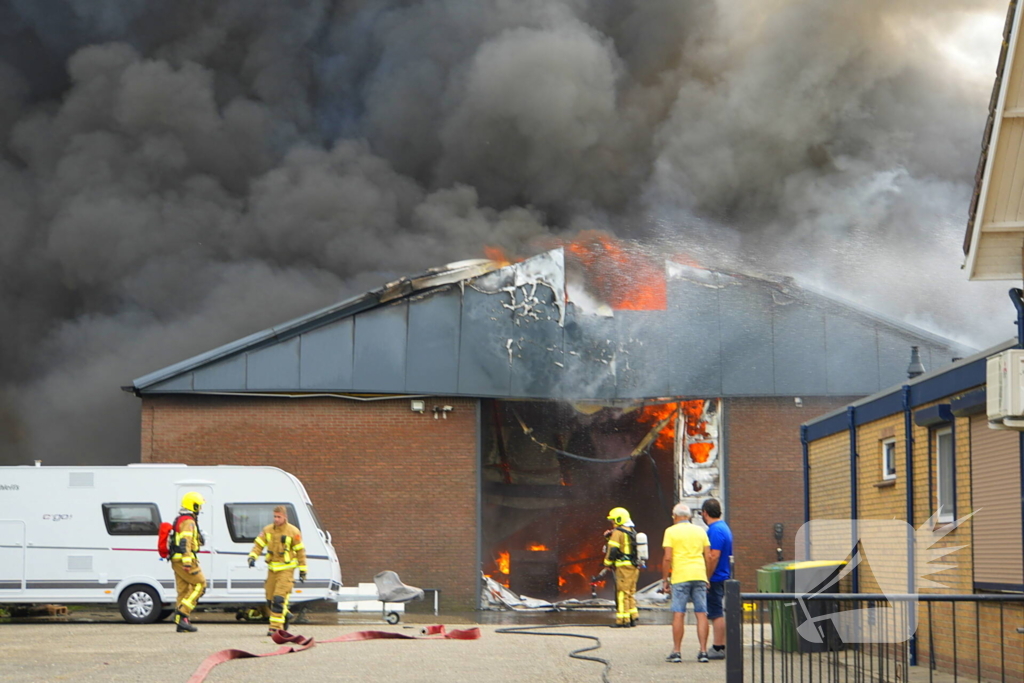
481	419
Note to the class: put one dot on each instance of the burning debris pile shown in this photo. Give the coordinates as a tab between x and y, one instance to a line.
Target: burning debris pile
553	469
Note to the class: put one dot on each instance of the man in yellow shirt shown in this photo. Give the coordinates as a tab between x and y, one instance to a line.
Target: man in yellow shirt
685	571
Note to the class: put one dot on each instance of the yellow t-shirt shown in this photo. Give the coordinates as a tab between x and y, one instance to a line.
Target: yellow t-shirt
686	542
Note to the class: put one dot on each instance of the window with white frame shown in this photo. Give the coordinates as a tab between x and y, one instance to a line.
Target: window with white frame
889	459
945	475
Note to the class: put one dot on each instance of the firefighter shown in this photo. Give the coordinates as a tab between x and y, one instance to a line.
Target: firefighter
188	576
285	553
621	558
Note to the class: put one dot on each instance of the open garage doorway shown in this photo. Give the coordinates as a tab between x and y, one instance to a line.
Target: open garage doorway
553	469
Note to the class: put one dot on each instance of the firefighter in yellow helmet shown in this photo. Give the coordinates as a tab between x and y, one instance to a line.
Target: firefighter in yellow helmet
622	558
285	553
188	577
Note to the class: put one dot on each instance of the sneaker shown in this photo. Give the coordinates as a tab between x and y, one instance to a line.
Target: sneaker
702	657
716	654
674	658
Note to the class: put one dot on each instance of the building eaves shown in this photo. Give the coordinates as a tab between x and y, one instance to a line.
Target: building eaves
930	386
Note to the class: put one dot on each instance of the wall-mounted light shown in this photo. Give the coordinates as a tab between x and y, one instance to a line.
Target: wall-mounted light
442	411
418	406
798	401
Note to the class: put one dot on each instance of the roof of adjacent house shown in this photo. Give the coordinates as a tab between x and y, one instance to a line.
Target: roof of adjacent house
534	330
995	223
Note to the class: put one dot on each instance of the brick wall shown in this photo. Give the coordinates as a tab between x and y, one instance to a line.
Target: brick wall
396	489
764	477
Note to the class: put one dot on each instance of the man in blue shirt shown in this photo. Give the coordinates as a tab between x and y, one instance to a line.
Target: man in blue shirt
721	558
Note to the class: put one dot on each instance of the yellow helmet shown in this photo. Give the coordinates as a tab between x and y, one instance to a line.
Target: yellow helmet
619	515
192	501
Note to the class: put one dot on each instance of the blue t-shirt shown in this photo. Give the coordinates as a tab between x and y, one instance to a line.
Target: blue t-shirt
721	539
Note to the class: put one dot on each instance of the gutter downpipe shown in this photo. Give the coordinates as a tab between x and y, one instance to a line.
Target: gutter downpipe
908	439
851	413
1017	297
807	490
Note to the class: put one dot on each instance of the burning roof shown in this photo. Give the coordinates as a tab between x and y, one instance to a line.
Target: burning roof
588	322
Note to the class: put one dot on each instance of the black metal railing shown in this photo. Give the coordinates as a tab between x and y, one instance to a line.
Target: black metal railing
872	638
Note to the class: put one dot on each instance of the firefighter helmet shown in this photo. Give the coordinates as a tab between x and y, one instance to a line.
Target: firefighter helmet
192	501
619	515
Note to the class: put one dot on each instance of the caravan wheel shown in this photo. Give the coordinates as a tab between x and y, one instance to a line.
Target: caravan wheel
140	604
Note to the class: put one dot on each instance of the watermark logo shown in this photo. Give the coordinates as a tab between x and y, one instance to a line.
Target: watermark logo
8	487
887	553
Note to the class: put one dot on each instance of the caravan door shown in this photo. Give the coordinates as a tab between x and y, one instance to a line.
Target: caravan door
207	558
12	558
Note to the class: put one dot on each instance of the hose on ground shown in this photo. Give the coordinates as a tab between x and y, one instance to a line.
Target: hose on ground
575	654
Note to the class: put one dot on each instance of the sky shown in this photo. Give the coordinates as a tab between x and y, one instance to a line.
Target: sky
175	176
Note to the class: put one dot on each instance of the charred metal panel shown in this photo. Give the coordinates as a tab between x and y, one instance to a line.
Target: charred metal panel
642	354
485	349
225	375
538	365
432	356
273	368
799	347
852	356
589	356
325	361
745	312
378	357
695	358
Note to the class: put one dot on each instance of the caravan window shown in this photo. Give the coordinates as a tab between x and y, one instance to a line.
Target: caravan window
246	520
131	519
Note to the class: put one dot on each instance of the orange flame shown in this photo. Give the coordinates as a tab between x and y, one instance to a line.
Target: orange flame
536	547
626	279
503	562
497	254
700	451
653	414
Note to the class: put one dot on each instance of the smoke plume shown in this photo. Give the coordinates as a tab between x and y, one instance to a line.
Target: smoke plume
174	176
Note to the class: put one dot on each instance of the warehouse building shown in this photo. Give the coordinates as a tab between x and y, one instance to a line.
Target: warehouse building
483	417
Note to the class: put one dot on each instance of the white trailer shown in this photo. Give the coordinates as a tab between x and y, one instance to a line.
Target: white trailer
89	535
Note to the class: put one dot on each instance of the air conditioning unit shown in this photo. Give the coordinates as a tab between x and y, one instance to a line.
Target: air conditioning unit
1004	393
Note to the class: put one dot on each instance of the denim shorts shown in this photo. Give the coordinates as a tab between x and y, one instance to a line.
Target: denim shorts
716	600
689	591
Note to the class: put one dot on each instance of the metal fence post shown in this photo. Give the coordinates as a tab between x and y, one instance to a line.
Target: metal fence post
733	632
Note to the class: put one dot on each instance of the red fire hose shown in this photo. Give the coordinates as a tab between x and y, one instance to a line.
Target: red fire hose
297	643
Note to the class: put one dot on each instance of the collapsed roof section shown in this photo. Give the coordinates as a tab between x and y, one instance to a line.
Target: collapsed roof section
544	329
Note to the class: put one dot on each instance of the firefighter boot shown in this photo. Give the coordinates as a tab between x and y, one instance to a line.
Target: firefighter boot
184	625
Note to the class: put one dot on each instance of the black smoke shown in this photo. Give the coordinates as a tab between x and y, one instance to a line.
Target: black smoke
177	175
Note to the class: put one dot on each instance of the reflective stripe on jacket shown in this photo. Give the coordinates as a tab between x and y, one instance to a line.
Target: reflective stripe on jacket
284	546
187	540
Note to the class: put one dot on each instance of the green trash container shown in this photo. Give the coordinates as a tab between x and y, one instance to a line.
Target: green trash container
771	578
813	577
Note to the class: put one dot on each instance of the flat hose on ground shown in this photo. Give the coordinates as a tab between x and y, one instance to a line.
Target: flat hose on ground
298	643
575	654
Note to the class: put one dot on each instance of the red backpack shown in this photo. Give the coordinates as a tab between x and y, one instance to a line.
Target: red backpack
165	538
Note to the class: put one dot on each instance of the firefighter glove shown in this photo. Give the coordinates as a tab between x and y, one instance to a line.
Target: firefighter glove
252	562
302	577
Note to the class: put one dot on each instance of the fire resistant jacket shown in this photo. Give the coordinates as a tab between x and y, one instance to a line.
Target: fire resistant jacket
621	550
285	549
187	539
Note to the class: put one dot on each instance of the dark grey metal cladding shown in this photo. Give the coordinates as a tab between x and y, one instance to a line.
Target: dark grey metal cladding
225	375
325	361
852	356
179	383
745	315
799	348
589	356
538	365
378	358
486	331
274	368
694	346
432	356
642	354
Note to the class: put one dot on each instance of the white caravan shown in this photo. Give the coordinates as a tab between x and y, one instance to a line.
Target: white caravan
89	535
